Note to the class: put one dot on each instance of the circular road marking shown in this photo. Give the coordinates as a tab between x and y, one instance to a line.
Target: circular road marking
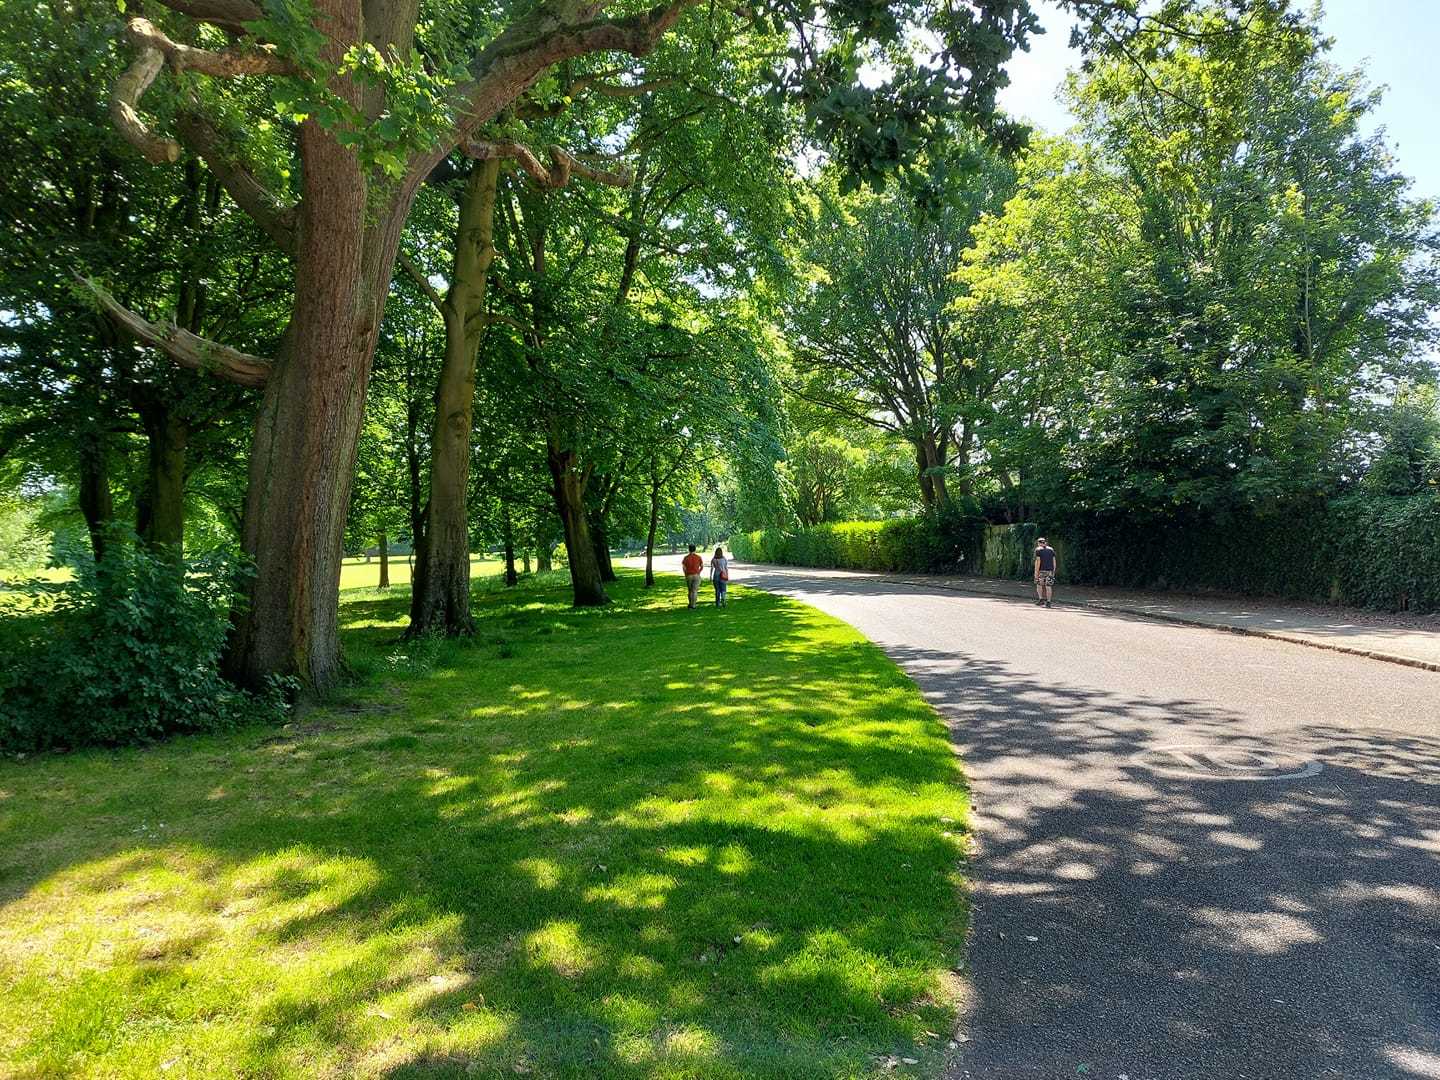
1207	762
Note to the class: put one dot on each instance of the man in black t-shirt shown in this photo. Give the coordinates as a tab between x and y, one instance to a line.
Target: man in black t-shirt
1046	564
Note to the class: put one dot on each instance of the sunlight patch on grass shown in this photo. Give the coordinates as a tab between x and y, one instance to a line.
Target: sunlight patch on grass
724	843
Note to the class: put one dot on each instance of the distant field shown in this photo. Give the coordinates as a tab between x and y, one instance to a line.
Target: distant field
354	573
359	574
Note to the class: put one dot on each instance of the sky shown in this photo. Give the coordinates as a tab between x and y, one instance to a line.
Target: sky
1398	41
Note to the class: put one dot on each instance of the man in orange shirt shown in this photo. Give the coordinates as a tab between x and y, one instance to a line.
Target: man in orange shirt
692	564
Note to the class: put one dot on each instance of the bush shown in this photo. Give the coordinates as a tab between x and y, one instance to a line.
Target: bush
126	652
931	543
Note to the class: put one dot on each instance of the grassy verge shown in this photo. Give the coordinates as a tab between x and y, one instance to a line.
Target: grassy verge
633	842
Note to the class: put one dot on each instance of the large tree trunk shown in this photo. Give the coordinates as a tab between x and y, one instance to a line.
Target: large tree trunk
599	526
302	460
160	510
440	601
569	490
96	503
383	543
927	485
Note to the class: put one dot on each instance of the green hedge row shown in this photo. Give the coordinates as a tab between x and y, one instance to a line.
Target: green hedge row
926	544
1360	551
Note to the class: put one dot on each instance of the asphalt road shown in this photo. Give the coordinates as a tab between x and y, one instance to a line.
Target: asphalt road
1262	902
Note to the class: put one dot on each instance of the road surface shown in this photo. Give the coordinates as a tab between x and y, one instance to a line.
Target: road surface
1198	855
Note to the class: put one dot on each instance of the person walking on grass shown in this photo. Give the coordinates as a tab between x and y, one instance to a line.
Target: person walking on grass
1047	562
719	575
692	564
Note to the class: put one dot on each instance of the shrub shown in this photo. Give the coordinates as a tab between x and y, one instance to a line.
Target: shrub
126	652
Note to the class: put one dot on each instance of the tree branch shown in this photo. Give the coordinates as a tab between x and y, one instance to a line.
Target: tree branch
229	64
185	348
124	112
493	317
521	54
562	164
154	50
232	14
277	219
413	271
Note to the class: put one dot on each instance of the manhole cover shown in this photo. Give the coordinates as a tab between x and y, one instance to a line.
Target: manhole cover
1208	762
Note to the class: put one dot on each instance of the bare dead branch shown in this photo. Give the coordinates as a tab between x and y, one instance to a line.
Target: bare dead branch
185	348
125	99
153	51
229	64
413	271
562	164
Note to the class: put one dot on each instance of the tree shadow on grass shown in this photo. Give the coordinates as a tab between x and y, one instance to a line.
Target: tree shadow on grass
664	847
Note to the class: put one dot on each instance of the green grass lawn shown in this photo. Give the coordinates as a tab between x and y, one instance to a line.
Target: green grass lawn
633	842
356	573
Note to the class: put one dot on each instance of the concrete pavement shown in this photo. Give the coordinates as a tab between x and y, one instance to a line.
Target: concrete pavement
1197	854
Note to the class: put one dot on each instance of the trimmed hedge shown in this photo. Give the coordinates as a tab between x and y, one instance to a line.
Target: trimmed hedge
1359	551
1362	551
927	544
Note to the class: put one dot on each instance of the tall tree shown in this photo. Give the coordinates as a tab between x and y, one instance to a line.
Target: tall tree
1217	290
77	400
876	333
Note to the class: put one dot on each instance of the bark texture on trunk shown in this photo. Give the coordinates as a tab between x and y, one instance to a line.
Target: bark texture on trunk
302	459
603	561
383	543
930	460
600	525
440	597
160	510
569	491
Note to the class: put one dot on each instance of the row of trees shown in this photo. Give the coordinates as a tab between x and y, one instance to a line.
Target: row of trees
300	270
582	200
1215	296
